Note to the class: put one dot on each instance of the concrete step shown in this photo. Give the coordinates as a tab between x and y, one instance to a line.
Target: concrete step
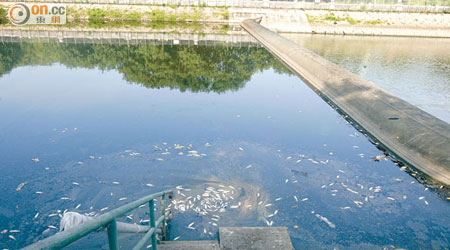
189	245
254	238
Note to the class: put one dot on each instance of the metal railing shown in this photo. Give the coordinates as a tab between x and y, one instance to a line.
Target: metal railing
108	220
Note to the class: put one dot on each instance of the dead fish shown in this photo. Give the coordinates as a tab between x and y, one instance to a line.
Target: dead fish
241	149
305	199
4	231
390	198
103	209
14	231
12	237
207	144
324	219
53	227
78	206
377	158
35	216
421	197
123	198
159	159
289	157
21	185
65	198
76	183
345	208
39	192
426	202
286	181
92	157
35	159
351	190
278	199
295	198
149	185
249	166
115	182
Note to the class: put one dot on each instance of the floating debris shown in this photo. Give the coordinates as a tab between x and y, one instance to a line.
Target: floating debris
351	191
378	157
324	219
21	185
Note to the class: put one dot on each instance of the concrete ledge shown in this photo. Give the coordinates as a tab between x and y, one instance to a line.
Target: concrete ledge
412	135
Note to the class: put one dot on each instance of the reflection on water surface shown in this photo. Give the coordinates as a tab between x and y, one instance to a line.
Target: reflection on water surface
227	119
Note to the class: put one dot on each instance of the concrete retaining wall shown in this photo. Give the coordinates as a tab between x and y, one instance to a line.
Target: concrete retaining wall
412	135
308	4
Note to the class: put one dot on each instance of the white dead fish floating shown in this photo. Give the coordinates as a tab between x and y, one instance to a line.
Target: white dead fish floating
324	219
378	157
21	185
35	159
149	185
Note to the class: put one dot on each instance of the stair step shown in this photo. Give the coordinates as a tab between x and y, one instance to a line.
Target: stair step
189	245
254	238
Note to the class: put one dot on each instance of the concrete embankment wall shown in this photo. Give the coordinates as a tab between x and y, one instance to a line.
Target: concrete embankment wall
412	135
305	4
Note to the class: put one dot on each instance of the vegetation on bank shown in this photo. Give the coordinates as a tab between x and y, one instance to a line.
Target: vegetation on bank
170	14
123	17
187	68
345	18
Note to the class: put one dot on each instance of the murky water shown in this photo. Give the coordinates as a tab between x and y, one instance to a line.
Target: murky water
227	125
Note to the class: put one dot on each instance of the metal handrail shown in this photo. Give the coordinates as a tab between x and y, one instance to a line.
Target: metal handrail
108	220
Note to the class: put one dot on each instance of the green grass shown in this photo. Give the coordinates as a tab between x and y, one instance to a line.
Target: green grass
3	17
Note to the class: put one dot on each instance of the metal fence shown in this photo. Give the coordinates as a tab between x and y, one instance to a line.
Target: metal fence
351	5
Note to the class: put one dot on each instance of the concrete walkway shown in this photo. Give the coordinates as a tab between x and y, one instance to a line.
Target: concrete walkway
405	131
238	238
